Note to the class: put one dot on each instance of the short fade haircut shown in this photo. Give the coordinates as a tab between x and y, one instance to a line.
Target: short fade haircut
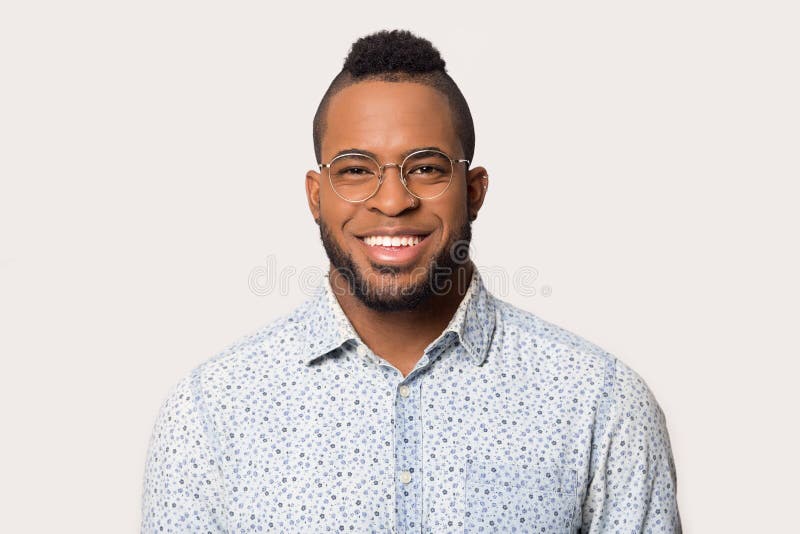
398	56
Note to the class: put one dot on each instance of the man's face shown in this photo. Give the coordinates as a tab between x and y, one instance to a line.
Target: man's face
391	119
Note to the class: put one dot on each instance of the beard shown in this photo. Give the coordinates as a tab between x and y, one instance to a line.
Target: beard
381	291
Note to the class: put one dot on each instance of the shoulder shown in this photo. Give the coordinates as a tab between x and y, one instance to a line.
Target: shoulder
579	368
547	348
632	398
549	344
269	351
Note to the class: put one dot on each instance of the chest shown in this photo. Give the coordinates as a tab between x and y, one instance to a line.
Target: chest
440	453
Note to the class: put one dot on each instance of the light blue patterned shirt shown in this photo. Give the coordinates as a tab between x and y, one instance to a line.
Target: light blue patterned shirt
507	423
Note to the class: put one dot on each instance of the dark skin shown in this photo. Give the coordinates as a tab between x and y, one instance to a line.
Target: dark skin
389	118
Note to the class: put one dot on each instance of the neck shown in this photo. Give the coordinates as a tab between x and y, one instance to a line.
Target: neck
400	337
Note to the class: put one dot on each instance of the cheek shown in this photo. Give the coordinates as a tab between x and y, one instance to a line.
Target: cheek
452	215
335	212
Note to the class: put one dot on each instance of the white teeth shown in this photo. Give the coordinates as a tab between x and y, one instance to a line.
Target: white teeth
391	241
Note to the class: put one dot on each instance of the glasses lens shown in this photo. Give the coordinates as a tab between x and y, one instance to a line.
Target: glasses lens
427	173
354	177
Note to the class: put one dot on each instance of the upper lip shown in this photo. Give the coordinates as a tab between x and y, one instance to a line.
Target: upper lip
393	231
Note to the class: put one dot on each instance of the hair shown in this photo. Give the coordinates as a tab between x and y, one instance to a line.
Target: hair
398	56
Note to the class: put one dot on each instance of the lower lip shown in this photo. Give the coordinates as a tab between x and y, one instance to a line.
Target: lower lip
394	255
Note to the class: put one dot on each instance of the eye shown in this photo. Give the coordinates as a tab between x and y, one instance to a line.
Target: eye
426	169
355	170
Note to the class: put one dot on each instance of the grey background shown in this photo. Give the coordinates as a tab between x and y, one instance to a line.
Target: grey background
643	159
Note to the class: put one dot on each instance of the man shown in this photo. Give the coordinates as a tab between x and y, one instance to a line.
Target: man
403	396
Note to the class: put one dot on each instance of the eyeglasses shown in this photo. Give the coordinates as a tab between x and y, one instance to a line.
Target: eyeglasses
356	177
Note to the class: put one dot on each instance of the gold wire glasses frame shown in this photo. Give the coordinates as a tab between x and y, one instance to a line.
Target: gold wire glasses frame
356	173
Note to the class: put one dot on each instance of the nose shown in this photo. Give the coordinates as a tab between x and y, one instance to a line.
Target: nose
392	197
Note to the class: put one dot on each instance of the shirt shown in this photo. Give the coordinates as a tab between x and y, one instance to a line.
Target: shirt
508	423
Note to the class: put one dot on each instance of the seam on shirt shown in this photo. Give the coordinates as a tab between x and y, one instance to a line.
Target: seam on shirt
609	382
394	467
212	438
421	424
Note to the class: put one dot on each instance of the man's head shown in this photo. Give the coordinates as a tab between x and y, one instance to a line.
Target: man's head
392	97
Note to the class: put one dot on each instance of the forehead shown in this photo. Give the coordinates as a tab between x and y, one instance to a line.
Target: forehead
388	118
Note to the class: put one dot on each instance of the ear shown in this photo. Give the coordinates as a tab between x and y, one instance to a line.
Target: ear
312	193
477	183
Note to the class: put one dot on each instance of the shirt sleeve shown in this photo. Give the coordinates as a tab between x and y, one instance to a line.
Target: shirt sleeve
633	486
183	489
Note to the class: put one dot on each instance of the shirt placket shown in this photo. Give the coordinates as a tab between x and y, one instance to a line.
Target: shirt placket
408	454
407	431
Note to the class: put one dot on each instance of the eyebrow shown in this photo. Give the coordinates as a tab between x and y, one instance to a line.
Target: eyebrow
375	156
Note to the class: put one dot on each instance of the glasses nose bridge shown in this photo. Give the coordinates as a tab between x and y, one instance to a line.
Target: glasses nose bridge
382	170
382	175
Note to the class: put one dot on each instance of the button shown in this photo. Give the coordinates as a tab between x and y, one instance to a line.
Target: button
361	350
405	477
405	391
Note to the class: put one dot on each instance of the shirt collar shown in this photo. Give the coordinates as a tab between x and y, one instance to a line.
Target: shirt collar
328	328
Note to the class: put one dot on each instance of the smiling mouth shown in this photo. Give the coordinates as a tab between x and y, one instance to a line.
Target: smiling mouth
393	241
